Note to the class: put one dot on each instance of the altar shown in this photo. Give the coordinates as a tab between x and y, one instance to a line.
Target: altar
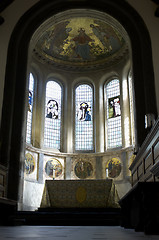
79	194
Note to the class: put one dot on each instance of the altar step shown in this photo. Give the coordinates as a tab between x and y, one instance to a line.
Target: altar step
70	217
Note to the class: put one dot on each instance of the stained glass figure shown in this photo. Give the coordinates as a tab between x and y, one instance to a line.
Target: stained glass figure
114	107
30	100
84	112
52	109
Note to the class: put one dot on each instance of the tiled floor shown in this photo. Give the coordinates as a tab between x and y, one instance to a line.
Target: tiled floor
71	233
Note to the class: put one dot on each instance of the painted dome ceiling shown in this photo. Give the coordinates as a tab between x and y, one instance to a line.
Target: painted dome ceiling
80	41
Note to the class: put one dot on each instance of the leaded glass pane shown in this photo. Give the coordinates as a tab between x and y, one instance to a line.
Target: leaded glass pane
83	119
30	108
114	134
52	131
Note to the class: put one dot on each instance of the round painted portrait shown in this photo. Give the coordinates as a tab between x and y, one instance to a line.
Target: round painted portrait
83	169
53	168
29	163
114	168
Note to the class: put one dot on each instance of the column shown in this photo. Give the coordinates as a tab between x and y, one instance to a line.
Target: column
68	168
99	118
98	167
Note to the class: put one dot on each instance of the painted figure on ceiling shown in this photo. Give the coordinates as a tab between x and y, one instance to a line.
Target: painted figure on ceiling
101	35
82	47
57	37
107	36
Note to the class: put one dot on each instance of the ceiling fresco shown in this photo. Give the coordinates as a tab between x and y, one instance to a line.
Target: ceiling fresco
79	41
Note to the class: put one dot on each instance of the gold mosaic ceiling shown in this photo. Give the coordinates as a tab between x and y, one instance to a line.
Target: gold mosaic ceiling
79	41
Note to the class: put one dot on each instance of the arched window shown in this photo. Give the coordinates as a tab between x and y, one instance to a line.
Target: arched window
52	131
114	134
84	118
30	108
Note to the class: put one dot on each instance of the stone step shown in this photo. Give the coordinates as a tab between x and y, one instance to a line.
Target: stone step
71	217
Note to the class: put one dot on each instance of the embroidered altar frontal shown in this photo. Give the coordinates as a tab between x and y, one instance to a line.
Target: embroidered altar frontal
79	194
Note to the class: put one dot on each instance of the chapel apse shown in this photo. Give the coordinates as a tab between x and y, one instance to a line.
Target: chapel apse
79	41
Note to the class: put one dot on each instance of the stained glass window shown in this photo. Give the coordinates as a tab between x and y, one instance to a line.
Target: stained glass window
30	108
84	118
52	130
114	134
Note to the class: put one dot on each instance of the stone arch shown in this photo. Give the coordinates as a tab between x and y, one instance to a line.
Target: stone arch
16	71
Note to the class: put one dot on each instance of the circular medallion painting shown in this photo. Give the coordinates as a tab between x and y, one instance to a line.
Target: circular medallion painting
29	163
53	168
83	169
114	168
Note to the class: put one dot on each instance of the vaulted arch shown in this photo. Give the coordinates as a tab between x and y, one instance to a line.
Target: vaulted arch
16	71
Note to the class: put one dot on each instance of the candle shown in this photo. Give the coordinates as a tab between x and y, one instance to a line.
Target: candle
106	172
53	173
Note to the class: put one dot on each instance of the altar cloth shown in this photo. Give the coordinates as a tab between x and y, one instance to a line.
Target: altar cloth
79	194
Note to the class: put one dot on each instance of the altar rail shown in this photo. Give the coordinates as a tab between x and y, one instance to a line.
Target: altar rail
145	167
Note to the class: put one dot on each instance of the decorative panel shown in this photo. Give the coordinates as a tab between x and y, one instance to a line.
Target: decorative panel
156	150
53	168
140	170
1	179
113	168
134	177
83	167
31	165
148	161
3	176
149	178
148	154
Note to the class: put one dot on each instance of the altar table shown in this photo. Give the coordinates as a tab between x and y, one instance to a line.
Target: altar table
79	194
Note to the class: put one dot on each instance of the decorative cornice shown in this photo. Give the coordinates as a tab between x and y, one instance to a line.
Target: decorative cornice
110	61
60	154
